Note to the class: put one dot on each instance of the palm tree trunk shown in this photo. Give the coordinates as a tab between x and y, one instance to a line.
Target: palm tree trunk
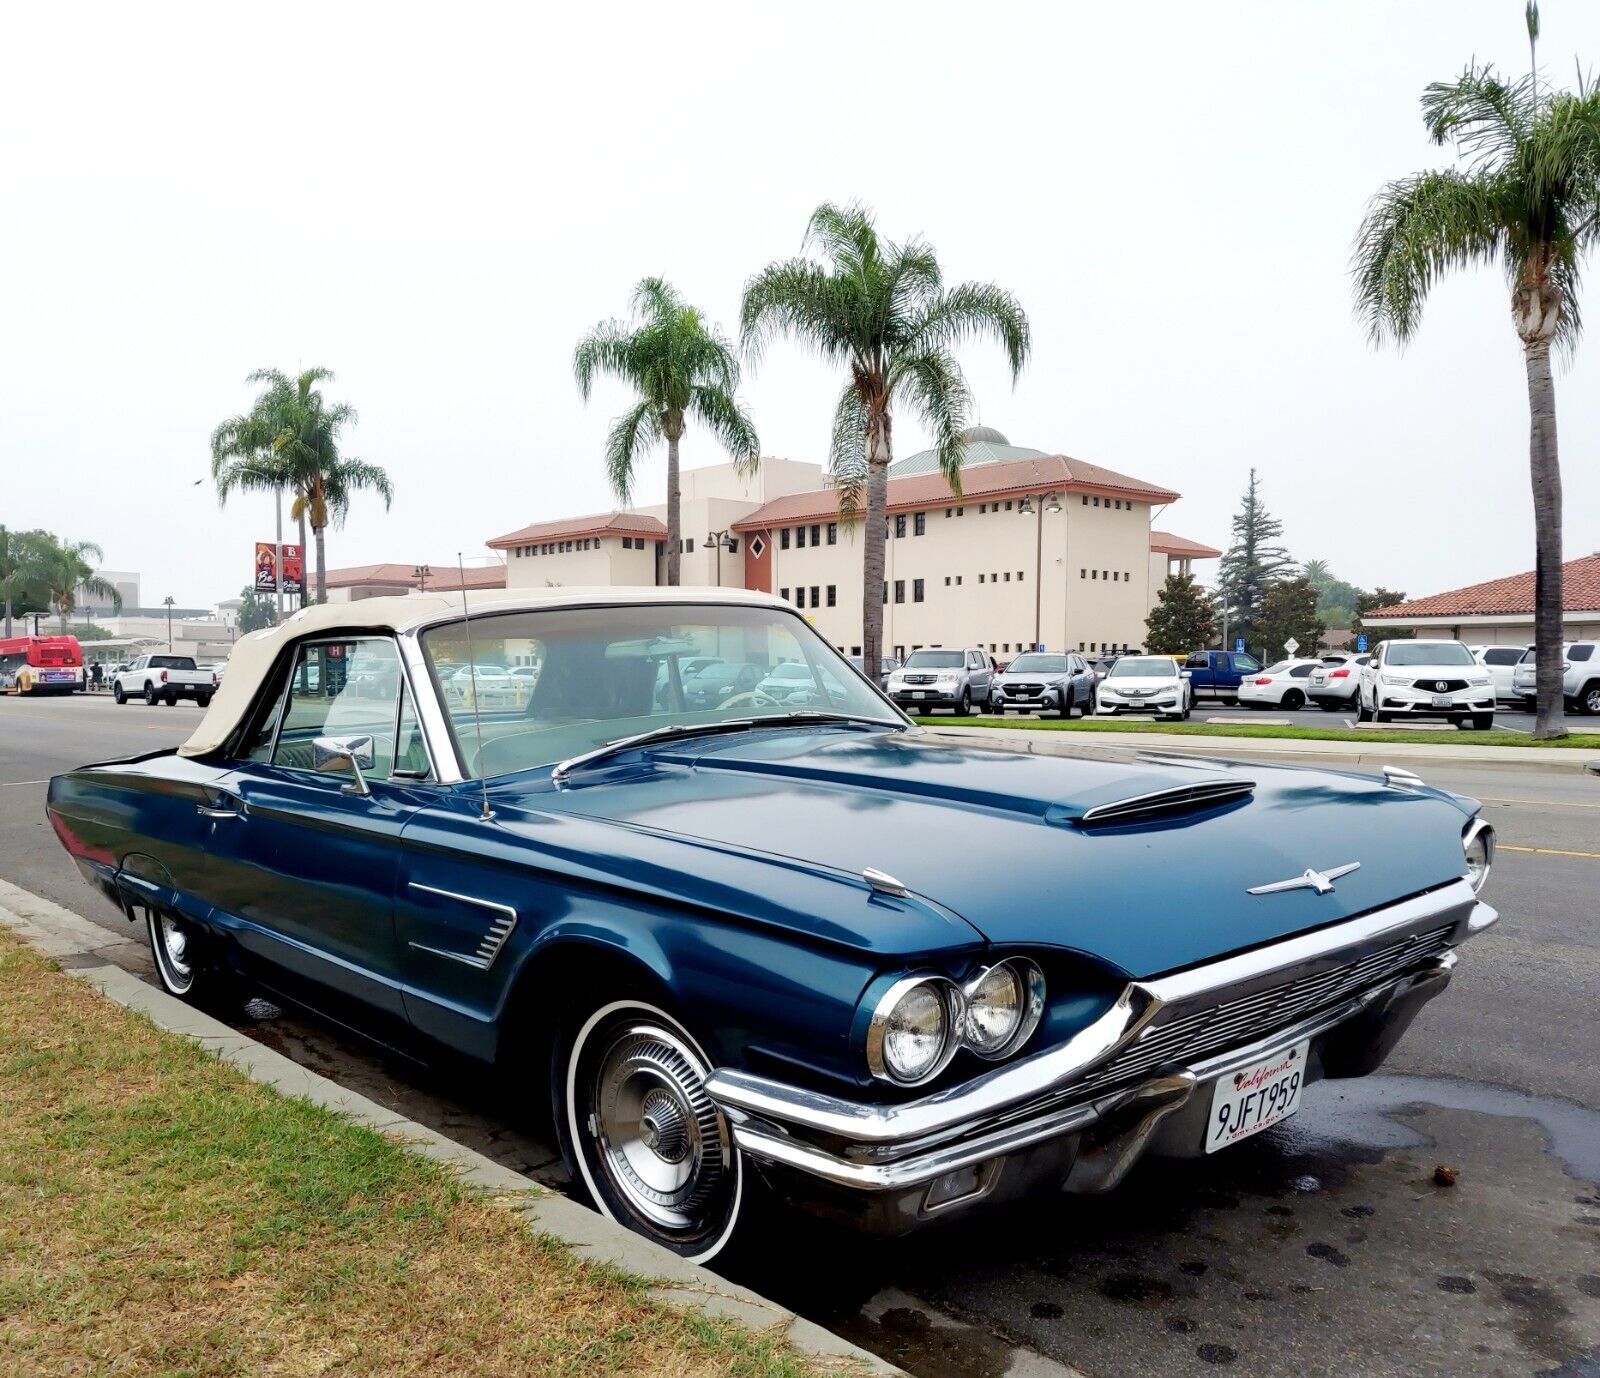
1544	465
674	516
322	572
8	617
302	594
873	589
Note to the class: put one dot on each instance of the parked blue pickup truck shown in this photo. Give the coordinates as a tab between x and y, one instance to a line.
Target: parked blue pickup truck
1217	674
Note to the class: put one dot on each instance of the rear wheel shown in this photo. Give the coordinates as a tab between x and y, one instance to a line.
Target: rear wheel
1589	699
204	700
1328	705
187	963
1294	700
1530	705
150	695
639	1131
117	694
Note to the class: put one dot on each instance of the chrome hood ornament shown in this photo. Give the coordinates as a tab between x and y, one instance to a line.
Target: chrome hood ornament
1320	881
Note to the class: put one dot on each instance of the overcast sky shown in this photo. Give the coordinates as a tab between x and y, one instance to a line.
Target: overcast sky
435	202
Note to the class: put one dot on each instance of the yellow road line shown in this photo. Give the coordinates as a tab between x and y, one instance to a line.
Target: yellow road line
1545	851
1542	803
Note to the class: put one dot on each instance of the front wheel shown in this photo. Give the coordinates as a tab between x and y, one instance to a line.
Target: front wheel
1294	701
150	695
638	1129
964	710
1363	713
1483	721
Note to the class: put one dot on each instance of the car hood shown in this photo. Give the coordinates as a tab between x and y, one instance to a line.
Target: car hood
1032	676
991	834
1141	682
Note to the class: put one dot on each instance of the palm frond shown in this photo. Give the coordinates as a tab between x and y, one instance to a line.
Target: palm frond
656	300
631	434
605	349
972	310
847	453
845	234
720	413
800	298
932	382
1486	117
1415	230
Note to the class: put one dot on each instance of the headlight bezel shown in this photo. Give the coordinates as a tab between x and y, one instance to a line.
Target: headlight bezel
1030	991
953	997
1478	831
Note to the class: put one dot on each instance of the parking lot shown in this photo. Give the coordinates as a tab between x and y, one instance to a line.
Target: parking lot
1322	1245
1506	719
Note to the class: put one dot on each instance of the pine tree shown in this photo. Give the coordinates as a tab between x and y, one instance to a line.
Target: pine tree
1182	620
1253	564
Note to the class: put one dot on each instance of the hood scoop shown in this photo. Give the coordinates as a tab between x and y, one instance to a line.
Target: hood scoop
1180	799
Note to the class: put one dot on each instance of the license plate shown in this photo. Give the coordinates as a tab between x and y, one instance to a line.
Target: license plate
1319	679
1442	700
1256	1097
922	694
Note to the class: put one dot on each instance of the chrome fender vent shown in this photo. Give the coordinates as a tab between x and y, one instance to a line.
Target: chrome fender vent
1204	794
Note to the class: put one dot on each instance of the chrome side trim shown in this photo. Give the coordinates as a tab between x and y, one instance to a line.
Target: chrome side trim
436	738
1198	795
500	929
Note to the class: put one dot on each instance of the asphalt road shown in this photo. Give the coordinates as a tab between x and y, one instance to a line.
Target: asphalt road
1321	1246
1506	719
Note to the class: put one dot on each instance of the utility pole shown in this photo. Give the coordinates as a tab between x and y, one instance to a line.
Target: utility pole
1052	503
168	601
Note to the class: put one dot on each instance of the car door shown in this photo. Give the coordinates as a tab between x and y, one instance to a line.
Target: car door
308	856
980	676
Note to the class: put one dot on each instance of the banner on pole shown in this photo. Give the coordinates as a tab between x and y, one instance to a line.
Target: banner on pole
270	578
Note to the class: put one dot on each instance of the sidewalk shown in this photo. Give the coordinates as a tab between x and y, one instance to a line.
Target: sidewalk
1335	755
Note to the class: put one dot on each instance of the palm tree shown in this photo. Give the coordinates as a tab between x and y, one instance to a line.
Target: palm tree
1527	196
881	311
21	568
680	368
66	567
290	439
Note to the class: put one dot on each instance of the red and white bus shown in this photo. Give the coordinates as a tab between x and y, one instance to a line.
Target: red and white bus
40	665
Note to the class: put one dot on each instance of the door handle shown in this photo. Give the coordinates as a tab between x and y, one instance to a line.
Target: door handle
226	808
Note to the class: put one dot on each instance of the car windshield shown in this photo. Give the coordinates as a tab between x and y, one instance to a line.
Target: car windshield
936	660
1035	664
1143	667
614	672
1428	653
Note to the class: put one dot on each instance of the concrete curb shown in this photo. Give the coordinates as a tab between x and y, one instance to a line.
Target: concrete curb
1332	754
72	940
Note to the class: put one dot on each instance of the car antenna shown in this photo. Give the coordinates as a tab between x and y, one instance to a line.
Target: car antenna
472	666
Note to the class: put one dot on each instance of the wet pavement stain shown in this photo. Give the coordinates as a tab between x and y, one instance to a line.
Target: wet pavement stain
1217	1354
1460	1286
1328	1254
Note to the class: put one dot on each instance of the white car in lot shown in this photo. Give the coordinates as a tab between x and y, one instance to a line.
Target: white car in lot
1425	679
1335	682
1285	685
1143	684
1580	677
1501	663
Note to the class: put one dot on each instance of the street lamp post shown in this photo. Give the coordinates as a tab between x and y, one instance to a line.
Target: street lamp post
420	574
168	600
1050	502
723	540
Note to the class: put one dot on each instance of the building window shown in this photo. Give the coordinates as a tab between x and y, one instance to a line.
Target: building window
1008	504
816	602
948	511
800	596
899	590
783	538
991	647
1116	576
1097	500
958	581
1005	645
627	542
1019	576
1105	574
800	538
1008	576
982	508
1126	576
916	591
784	594
1083	574
833	533
994	578
947	581
919	524
982	578
1085	499
833	595
1094	574
855	650
816	535
961	511
758	547
899	524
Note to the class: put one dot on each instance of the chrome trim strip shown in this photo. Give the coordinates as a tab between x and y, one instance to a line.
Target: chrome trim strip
490	945
436	739
1475	829
954	1109
1199	794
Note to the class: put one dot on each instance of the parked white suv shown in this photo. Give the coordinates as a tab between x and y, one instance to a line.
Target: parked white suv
1425	679
1501	663
1580	677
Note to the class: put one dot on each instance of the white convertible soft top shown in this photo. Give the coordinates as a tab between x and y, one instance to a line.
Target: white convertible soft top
254	653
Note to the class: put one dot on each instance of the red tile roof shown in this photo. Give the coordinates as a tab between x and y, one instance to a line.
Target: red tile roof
1010	478
1580	592
614	523
1165	543
405	577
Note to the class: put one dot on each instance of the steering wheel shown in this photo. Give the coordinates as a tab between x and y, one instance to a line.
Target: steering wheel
754	697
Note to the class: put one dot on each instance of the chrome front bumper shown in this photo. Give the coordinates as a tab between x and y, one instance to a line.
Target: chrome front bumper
1051	1116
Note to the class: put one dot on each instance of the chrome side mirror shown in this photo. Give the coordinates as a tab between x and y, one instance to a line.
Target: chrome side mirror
330	754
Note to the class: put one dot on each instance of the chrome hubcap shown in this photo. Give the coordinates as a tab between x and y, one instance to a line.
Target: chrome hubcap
662	1144
172	942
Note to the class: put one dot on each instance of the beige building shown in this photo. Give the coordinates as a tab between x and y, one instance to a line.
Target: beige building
1500	612
1038	549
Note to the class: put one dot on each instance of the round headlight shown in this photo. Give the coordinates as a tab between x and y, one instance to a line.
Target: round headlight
1478	844
911	1036
1004	1004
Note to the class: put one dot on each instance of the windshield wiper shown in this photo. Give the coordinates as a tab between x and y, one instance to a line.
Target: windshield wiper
674	731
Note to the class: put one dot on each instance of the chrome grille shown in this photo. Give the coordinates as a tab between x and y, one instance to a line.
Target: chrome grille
1233	1023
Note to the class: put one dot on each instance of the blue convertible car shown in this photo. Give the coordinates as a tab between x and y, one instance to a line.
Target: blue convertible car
745	945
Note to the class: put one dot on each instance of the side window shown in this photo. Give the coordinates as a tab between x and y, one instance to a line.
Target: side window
1249	664
1501	655
410	755
1300	672
1199	661
342	689
1580	652
266	728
